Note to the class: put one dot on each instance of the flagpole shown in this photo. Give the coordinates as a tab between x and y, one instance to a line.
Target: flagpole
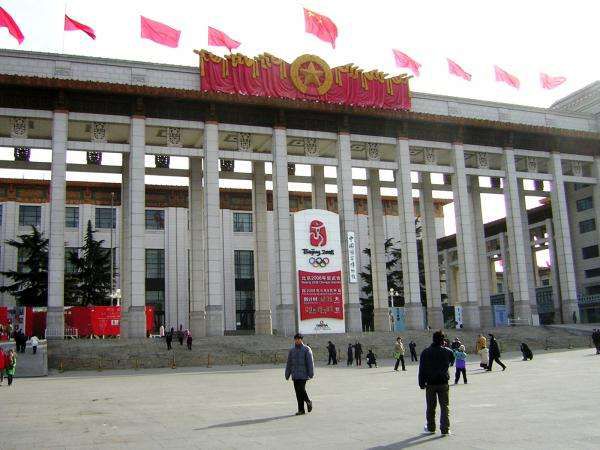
63	33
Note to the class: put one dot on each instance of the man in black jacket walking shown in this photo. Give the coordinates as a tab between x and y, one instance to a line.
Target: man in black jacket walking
494	353
300	366
433	377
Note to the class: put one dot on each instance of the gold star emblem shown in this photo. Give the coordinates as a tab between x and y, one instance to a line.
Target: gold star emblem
312	75
310	70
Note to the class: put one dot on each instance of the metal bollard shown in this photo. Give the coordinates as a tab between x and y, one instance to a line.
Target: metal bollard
61	367
99	365
173	365
242	359
208	361
136	366
275	359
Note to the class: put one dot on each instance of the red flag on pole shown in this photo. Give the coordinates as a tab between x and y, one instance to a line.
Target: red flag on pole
505	77
220	39
7	21
159	32
321	26
549	82
403	60
73	25
455	69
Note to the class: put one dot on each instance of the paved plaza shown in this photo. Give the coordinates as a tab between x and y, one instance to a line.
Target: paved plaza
549	403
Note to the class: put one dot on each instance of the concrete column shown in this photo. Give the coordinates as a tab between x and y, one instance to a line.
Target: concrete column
123	253
506	274
529	256
381	314
408	238
596	192
286	317
134	305
435	316
319	197
347	224
468	271
213	255
8	254
263	324
448	277
554	272
55	322
196	232
483	263
562	242
516	239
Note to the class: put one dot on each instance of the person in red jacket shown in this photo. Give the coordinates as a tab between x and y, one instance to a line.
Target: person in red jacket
2	364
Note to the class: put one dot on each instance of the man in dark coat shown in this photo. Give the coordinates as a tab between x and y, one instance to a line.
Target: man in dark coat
358	351
332	353
526	352
300	367
350	355
494	353
413	351
169	338
596	340
433	377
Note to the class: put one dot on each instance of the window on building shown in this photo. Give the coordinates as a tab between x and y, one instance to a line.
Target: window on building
72	217
244	289
589	252
155	219
578	186
592	273
585	203
499	288
587	225
593	290
155	283
30	215
106	217
69	252
242	222
22	256
546	282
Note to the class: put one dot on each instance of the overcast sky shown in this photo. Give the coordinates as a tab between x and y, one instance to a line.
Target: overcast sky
522	37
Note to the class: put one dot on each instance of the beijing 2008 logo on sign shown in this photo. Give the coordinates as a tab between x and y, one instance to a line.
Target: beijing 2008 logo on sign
318	234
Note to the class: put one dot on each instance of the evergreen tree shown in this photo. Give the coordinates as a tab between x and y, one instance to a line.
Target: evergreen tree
30	287
92	271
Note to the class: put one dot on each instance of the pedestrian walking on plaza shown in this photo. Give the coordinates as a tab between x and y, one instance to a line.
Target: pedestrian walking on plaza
34	344
526	352
413	350
358	351
371	359
2	364
300	367
433	377
461	364
331	350
350	355
161	331
180	335
596	340
169	339
494	353
189	339
399	354
10	364
482	351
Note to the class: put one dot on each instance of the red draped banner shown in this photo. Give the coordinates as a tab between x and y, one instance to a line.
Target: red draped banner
307	78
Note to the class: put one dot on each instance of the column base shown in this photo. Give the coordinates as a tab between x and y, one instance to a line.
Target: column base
135	323
381	319
214	320
471	319
522	313
568	310
286	320
353	318
198	323
486	317
263	323
435	318
414	317
55	323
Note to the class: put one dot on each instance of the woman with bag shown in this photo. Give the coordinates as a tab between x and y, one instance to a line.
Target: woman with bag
10	365
482	351
399	354
2	364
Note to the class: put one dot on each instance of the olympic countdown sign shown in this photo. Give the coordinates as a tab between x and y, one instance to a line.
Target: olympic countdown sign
318	254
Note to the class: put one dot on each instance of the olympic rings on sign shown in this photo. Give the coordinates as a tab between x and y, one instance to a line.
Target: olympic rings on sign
318	262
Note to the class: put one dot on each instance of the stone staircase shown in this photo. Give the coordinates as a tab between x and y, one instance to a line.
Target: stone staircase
28	364
103	354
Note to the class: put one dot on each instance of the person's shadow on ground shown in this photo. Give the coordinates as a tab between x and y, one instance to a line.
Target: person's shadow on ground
241	423
409	442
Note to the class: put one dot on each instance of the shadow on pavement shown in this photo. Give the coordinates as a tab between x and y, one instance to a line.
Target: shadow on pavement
241	423
409	442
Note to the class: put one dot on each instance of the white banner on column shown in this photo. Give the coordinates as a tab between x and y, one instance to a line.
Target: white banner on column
318	255
352	268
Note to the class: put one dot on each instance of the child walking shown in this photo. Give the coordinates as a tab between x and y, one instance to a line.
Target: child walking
461	364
